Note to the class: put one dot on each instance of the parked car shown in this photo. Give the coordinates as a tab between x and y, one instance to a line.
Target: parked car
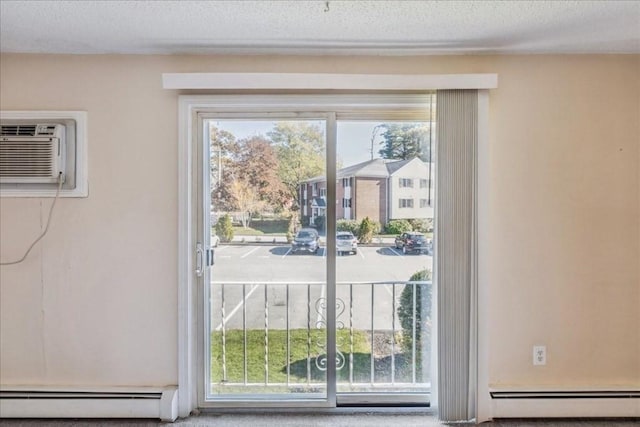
413	242
346	242
307	240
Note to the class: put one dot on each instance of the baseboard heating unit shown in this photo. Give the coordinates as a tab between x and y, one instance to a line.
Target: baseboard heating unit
34	402
565	403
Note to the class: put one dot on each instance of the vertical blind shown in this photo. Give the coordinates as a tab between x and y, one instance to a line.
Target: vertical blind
456	253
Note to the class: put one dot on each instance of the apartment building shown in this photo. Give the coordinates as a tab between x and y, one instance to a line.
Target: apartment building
380	189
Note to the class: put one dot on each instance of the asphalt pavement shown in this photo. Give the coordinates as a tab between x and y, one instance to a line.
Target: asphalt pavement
266	286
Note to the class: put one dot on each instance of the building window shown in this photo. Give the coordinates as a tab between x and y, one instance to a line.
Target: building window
424	183
346	203
323	192
346	182
315	189
406	203
406	182
304	191
424	203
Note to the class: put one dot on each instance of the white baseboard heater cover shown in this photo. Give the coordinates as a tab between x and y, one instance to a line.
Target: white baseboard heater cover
21	402
560	403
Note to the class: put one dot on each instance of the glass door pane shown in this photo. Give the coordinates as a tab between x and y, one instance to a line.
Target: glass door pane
384	222
267	297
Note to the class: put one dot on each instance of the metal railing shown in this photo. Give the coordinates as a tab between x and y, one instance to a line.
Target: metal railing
273	334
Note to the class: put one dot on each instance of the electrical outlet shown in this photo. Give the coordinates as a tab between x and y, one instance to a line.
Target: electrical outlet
539	355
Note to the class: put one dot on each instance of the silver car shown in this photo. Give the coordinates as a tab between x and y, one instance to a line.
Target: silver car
346	242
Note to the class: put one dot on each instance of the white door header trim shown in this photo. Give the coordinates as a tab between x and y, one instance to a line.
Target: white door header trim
318	81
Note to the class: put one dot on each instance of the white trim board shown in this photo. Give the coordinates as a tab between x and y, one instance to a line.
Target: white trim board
318	81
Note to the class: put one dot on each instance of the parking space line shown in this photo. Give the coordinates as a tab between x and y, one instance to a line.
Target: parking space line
251	251
395	252
360	252
237	307
288	252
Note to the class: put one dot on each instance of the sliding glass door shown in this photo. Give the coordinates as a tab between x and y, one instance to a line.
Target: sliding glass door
316	224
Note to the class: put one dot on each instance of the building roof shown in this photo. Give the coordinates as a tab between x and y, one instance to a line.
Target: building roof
375	168
319	202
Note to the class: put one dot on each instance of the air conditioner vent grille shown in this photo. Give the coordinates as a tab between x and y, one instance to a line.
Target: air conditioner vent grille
18	130
29	158
28	130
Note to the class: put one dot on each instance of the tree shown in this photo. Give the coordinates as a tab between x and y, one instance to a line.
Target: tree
405	141
223	151
257	165
300	149
246	200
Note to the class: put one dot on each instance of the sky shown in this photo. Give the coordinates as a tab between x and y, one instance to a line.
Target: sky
354	138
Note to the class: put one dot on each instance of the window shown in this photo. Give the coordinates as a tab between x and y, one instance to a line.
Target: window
406	203
424	203
323	192
346	203
304	191
315	189
406	183
346	182
424	183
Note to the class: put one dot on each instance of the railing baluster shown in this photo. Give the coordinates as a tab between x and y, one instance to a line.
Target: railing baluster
224	338
266	335
393	333
413	336
372	335
288	361
244	331
308	335
350	336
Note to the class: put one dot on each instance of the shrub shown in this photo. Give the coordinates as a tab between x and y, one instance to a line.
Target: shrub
405	313
366	230
348	225
398	226
224	228
423	225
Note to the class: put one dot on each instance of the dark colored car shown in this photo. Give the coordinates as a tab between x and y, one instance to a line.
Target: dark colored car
413	242
306	240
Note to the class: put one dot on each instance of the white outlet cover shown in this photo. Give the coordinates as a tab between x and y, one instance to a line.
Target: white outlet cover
539	355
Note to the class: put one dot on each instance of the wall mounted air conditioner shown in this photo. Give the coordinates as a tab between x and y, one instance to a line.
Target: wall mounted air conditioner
36	147
32	153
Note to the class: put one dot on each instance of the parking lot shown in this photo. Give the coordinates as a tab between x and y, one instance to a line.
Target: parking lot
268	284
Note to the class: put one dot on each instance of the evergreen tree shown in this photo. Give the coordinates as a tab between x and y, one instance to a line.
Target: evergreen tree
404	141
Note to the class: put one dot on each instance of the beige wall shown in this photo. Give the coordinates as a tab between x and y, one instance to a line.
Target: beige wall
95	303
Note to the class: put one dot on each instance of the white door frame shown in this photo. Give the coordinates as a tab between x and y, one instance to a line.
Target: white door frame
189	106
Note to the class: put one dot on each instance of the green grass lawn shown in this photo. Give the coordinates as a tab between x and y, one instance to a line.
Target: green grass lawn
304	358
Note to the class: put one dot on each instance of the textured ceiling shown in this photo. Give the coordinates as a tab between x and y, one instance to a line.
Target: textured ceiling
319	27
